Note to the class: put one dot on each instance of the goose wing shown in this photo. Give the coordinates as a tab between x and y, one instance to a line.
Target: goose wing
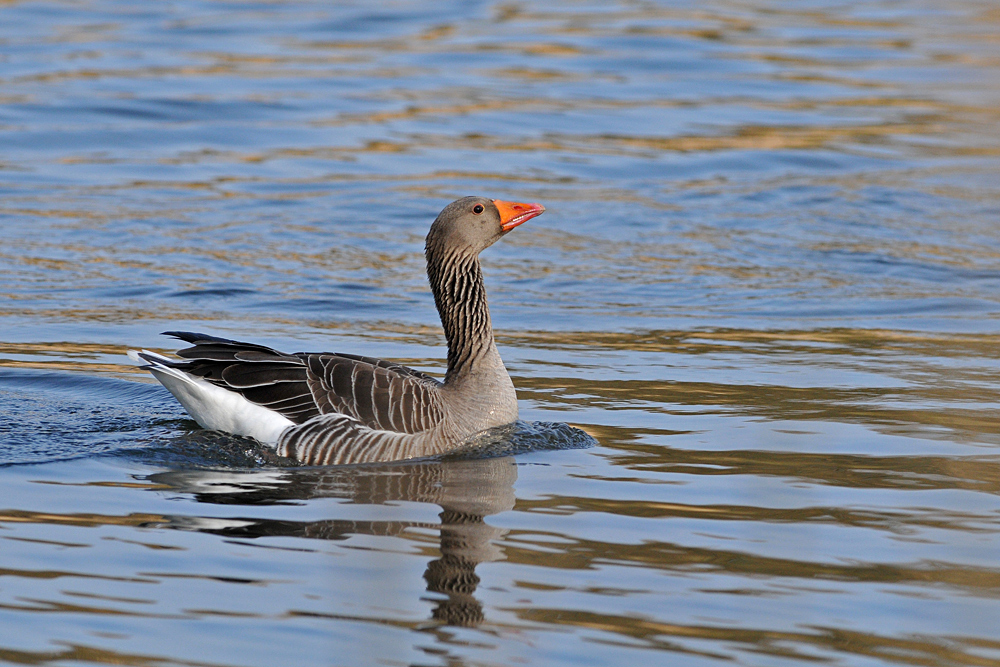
378	394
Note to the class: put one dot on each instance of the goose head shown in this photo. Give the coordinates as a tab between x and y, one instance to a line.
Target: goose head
472	224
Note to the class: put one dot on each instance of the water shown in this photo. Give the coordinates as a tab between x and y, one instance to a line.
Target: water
766	285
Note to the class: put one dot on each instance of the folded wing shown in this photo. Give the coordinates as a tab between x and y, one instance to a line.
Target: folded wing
378	394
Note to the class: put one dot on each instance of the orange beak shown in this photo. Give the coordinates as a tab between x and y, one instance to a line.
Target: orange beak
513	214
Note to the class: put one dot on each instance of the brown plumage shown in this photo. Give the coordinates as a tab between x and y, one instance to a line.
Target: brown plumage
325	408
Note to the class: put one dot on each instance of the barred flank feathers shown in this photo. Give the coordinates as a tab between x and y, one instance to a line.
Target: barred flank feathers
334	408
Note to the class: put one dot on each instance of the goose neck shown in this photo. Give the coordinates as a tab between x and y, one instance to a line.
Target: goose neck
456	280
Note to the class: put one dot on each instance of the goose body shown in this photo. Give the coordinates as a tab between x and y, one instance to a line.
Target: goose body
331	408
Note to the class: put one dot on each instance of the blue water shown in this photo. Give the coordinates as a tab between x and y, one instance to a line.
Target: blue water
755	336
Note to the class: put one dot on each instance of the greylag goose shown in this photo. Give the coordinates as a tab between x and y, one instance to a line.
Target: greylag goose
331	408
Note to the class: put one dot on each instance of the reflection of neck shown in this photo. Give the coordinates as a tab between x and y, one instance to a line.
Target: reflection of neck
466	491
463	539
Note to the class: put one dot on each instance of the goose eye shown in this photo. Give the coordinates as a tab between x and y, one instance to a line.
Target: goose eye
477	209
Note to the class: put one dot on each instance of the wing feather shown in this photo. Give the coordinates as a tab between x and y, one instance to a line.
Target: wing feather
377	395
261	374
374	393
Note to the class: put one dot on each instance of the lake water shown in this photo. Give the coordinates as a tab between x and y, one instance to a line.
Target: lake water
767	285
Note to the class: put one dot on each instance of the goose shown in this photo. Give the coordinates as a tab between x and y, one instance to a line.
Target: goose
334	408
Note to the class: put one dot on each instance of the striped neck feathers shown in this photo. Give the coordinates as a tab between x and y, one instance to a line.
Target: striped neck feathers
456	280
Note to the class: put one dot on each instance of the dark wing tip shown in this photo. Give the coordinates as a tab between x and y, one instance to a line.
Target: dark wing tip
196	338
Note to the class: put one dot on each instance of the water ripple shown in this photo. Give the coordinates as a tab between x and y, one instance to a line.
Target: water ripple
754	337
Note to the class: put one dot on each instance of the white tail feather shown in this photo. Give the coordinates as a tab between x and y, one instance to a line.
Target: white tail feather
212	406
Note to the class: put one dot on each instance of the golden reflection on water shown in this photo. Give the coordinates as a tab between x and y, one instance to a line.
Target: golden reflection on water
766	284
465	491
934	386
786	645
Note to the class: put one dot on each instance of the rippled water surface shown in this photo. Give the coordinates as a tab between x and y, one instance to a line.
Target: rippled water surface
767	286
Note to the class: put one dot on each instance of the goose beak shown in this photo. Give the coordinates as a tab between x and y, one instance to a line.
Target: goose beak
513	214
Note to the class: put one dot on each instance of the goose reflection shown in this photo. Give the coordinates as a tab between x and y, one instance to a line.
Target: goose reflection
467	491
